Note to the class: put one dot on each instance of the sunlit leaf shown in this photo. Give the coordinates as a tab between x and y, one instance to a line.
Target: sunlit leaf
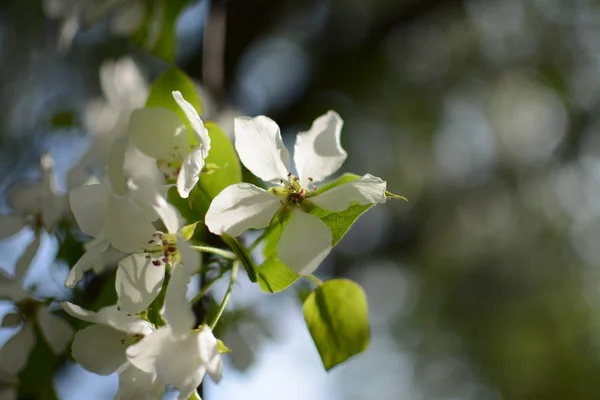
336	314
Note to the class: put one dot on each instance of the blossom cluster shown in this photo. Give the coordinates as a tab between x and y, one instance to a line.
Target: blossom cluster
133	217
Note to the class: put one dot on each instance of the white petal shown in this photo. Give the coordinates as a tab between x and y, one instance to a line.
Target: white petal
259	145
318	152
11	320
145	191
26	259
128	18
135	384
57	332
190	171
99	349
209	353
304	243
144	353
88	204
157	132
127	226
367	189
110	316
138	282
200	132
177	311
190	258
10	225
12	290
116	162
241	207
8	393
87	261
14	354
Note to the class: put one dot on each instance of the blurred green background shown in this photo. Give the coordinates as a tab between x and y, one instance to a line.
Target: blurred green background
483	113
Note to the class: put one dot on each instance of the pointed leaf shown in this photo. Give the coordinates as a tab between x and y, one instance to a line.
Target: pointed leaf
188	231
161	93
336	314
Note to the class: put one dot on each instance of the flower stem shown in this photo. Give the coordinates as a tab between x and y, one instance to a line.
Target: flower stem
314	279
234	271
216	250
203	291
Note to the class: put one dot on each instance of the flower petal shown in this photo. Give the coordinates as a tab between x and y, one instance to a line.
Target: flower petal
318	152
209	353
190	171
110	316
157	132
304	243
10	225
15	353
200	132
57	332
127	227
87	261
367	189
145	192
144	353
136	384
259	145
176	310
241	207
89	203
99	349
138	282
26	259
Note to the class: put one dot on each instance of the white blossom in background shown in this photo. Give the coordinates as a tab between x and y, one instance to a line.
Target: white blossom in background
30	314
306	240
101	347
178	354
124	90
162	135
127	16
35	204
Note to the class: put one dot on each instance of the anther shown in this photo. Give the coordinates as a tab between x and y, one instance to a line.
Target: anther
156	263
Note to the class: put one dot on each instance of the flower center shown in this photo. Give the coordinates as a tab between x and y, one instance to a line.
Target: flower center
171	165
292	190
162	249
132	339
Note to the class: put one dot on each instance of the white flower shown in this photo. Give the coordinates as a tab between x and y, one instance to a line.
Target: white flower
28	312
178	355
35	204
140	275
306	240
101	347
106	119
111	219
161	134
74	12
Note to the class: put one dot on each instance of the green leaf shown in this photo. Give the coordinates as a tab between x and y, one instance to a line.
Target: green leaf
391	195
188	231
223	155
157	32
339	222
273	275
161	93
222	348
336	314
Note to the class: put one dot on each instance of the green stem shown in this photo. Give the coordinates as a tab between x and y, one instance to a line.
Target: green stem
203	291
314	279
234	271
215	250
